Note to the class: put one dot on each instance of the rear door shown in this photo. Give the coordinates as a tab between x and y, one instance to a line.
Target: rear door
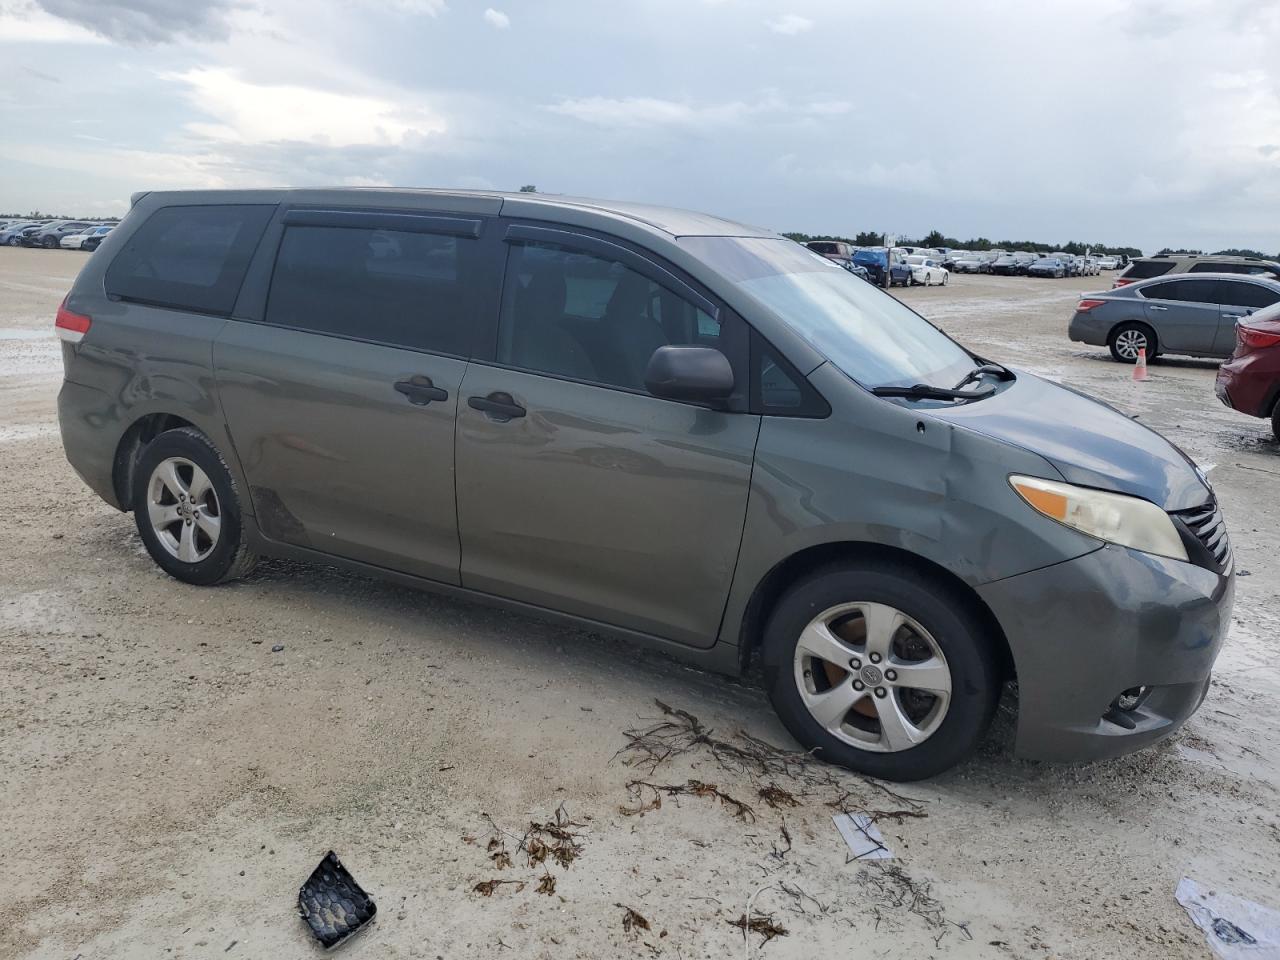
1238	299
1184	313
341	389
577	489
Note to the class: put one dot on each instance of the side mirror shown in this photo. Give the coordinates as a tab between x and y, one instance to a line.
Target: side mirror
697	374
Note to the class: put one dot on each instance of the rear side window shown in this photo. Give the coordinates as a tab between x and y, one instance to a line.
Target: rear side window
1146	269
191	258
1187	291
387	286
1237	294
1249	268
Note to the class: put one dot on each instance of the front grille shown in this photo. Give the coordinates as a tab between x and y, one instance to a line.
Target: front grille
1206	525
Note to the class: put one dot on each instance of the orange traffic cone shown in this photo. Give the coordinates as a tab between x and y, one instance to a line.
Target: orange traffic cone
1140	368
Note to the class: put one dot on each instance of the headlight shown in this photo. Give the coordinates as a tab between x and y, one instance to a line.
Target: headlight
1113	517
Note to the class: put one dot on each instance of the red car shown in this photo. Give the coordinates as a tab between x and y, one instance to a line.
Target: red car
1250	380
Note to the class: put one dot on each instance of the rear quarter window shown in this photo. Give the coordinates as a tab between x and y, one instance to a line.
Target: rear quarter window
189	257
1146	269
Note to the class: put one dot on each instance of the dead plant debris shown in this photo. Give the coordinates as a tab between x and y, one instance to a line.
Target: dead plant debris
486	888
760	923
547	884
776	797
632	920
693	788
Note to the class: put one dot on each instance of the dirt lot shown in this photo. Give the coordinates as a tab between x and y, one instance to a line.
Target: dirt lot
169	781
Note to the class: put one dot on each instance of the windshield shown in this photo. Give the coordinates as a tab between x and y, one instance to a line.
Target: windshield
866	333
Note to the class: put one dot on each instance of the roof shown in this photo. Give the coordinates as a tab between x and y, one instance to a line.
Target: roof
669	220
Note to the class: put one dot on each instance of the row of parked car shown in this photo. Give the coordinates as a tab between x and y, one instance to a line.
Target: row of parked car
907	266
52	234
1219	307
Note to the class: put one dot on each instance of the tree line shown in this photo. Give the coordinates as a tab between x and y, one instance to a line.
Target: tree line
37	215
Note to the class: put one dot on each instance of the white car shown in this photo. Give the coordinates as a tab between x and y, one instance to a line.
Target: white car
926	271
74	241
1107	263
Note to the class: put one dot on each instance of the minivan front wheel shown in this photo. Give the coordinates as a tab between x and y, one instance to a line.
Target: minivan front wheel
880	670
187	509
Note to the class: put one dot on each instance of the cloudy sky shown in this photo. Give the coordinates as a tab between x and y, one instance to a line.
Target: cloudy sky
1149	122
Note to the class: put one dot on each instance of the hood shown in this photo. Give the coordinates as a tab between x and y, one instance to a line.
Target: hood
1089	442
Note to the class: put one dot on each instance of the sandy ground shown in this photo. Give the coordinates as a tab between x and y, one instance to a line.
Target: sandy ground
168	781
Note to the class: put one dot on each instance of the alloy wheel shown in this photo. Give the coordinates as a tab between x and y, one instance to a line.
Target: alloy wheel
1129	342
183	509
872	677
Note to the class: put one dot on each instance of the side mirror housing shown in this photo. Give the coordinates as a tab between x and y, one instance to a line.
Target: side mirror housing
696	374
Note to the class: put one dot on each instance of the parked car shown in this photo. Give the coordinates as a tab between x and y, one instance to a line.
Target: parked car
9	236
1107	262
1047	267
93	239
1184	314
658	425
925	271
858	270
1250	380
970	263
1145	268
81	239
1023	260
1006	265
836	250
886	265
51	234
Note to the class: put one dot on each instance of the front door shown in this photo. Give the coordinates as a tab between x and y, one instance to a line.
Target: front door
341	398
577	489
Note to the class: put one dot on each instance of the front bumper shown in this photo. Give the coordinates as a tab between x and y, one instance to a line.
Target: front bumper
1083	631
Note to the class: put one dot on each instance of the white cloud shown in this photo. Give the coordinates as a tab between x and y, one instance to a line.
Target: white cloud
249	113
789	24
496	18
636	112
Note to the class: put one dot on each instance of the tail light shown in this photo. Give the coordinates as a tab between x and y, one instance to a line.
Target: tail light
69	326
1121	282
1254	338
1084	306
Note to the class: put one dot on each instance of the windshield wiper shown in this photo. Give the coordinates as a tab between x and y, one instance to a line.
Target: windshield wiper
923	391
978	372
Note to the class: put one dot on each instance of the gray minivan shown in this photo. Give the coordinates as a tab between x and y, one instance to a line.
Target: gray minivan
689	432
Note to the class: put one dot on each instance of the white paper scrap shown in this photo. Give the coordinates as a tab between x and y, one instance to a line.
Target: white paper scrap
862	837
1237	929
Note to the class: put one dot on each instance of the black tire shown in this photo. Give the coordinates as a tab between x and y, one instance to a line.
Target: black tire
940	610
1128	326
1275	421
230	557
50	242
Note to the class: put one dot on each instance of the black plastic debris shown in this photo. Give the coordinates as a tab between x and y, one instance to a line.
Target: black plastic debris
1228	932
333	904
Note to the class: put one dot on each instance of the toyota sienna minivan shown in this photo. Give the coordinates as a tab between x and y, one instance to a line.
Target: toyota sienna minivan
689	432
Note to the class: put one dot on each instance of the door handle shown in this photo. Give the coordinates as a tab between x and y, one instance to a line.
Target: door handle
1233	316
499	405
420	390
1161	309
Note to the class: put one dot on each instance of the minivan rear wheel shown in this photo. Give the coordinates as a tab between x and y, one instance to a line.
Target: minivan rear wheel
187	509
881	670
